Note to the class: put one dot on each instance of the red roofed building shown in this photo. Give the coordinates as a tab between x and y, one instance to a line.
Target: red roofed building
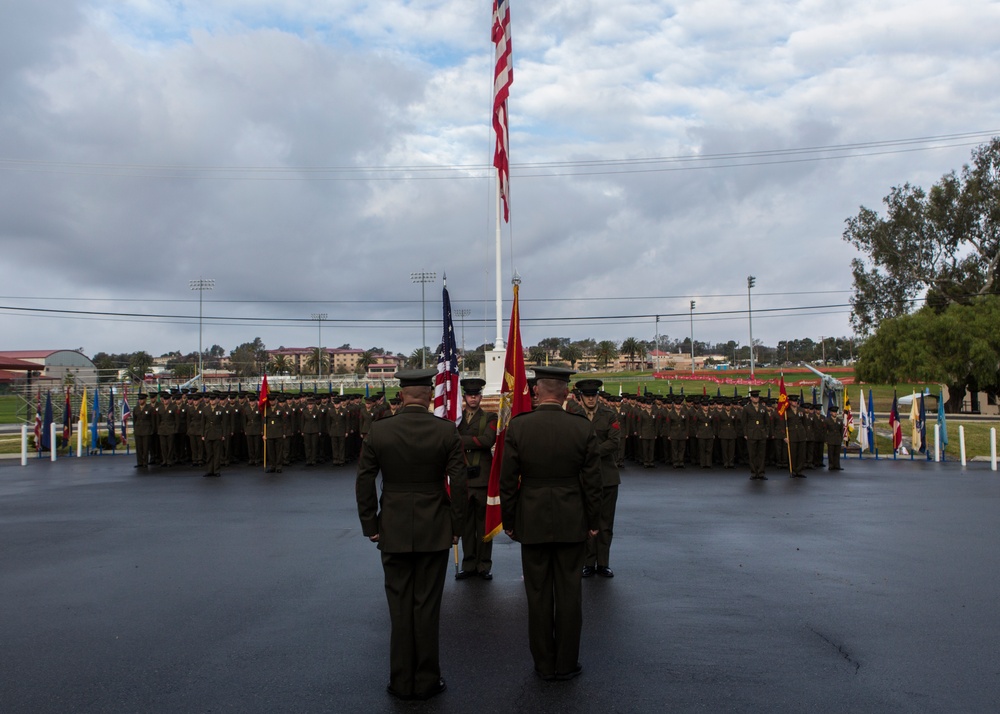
46	366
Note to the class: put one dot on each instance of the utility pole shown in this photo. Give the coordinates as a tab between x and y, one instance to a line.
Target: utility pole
692	337
201	285
751	281
423	278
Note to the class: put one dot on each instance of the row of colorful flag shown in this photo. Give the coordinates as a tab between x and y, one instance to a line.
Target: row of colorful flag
117	412
918	424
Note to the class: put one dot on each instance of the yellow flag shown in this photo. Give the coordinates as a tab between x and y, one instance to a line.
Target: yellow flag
83	418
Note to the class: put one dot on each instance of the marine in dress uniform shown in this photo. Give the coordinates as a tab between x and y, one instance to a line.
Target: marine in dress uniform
550	500
143	428
215	426
705	431
605	423
478	430
795	436
414	522
756	431
833	427
166	428
311	423
727	425
253	429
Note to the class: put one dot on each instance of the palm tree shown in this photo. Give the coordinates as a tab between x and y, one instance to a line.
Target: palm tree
417	359
572	354
537	355
316	358
605	352
280	364
366	360
630	346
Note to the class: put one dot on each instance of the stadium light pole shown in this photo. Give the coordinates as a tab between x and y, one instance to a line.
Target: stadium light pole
462	313
201	285
692	337
423	277
751	281
319	317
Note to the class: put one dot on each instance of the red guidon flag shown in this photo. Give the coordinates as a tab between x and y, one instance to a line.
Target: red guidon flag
514	399
503	77
263	397
782	396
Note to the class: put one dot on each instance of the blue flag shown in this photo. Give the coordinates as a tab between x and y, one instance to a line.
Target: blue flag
95	419
47	424
871	422
941	421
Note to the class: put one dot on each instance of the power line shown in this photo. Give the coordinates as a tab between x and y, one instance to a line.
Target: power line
682	162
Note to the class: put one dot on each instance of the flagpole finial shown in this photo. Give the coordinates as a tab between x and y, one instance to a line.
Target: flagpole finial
516	280
444	279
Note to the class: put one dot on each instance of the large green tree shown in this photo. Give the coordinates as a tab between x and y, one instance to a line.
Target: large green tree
958	346
249	359
943	243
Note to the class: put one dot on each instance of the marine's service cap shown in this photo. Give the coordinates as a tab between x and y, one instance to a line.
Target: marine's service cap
416	377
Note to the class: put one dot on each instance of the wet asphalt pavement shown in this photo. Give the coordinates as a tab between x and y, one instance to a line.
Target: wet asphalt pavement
876	589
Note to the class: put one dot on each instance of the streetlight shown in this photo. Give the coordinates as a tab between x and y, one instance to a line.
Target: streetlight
692	337
657	358
750	283
201	285
462	313
423	278
319	317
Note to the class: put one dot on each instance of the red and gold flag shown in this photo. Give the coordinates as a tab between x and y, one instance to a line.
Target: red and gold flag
782	397
514	399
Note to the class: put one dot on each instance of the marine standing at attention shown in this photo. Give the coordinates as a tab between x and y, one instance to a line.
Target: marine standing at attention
415	522
550	500
478	430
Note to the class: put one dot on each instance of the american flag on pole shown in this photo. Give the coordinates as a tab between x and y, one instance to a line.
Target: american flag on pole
447	394
38	422
503	77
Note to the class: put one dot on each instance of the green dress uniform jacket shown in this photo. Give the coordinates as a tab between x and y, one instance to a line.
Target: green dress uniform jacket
415	451
756	431
143	428
478	431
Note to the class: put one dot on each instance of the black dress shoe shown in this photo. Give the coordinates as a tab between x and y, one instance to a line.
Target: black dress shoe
588	571
605	572
434	691
486	576
465	574
551	677
566	676
398	695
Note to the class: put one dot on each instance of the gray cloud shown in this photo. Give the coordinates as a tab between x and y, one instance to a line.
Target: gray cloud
249	142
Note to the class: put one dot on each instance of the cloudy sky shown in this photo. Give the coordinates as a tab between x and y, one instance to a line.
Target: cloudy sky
308	156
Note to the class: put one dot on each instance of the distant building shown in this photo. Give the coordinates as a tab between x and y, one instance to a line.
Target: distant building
341	360
51	367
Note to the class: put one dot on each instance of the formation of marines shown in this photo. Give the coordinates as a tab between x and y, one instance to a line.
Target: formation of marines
216	429
706	432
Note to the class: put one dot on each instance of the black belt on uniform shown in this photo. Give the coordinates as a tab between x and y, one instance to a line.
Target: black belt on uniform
415	487
569	481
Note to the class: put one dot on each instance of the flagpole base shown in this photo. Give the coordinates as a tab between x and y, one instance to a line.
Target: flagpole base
494	366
